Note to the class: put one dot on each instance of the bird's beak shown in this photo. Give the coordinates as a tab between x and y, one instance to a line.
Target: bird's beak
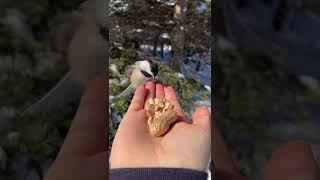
153	77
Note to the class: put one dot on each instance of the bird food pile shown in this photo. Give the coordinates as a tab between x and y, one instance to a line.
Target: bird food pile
160	115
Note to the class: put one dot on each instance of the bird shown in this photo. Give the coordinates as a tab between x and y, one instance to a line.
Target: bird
139	73
88	50
87	56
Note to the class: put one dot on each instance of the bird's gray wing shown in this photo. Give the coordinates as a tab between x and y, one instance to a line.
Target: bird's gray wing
128	91
64	92
128	71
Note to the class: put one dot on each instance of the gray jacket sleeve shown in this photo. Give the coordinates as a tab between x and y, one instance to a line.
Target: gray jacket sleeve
156	174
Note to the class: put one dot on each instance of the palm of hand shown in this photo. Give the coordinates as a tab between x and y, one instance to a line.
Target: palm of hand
183	146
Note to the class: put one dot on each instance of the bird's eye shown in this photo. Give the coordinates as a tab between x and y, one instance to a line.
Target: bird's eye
104	32
145	73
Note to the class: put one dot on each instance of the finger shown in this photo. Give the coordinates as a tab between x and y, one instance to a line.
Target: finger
138	99
88	132
202	116
172	97
159	90
150	86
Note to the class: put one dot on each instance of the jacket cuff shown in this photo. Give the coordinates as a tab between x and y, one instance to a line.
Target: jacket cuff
156	174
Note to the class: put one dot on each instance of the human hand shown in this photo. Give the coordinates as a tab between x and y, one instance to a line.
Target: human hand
185	145
84	152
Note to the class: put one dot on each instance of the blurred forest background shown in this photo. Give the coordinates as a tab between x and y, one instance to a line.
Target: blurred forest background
266	71
266	76
176	34
34	40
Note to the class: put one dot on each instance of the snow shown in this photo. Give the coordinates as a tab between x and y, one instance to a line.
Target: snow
203	102
208	88
170	22
202	75
118	6
137	30
111	98
202	7
166	48
114	68
165	36
146	47
167	3
180	75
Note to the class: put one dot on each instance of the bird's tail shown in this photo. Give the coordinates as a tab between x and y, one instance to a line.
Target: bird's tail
130	90
65	91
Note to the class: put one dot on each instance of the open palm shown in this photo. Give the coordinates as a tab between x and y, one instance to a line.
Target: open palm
185	145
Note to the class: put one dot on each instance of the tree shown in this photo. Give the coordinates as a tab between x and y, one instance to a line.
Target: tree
186	27
178	34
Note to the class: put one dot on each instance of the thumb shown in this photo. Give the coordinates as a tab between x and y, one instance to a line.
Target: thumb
202	116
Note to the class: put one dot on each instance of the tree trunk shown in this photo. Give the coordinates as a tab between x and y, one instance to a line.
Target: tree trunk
178	34
155	43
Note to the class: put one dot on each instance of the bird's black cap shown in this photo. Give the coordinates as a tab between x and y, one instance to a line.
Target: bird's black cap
154	68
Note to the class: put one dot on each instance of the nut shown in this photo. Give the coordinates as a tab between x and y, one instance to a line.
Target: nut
160	115
151	101
168	106
156	100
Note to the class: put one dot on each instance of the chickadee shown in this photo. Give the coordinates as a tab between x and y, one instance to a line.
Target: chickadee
88	49
87	55
139	73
